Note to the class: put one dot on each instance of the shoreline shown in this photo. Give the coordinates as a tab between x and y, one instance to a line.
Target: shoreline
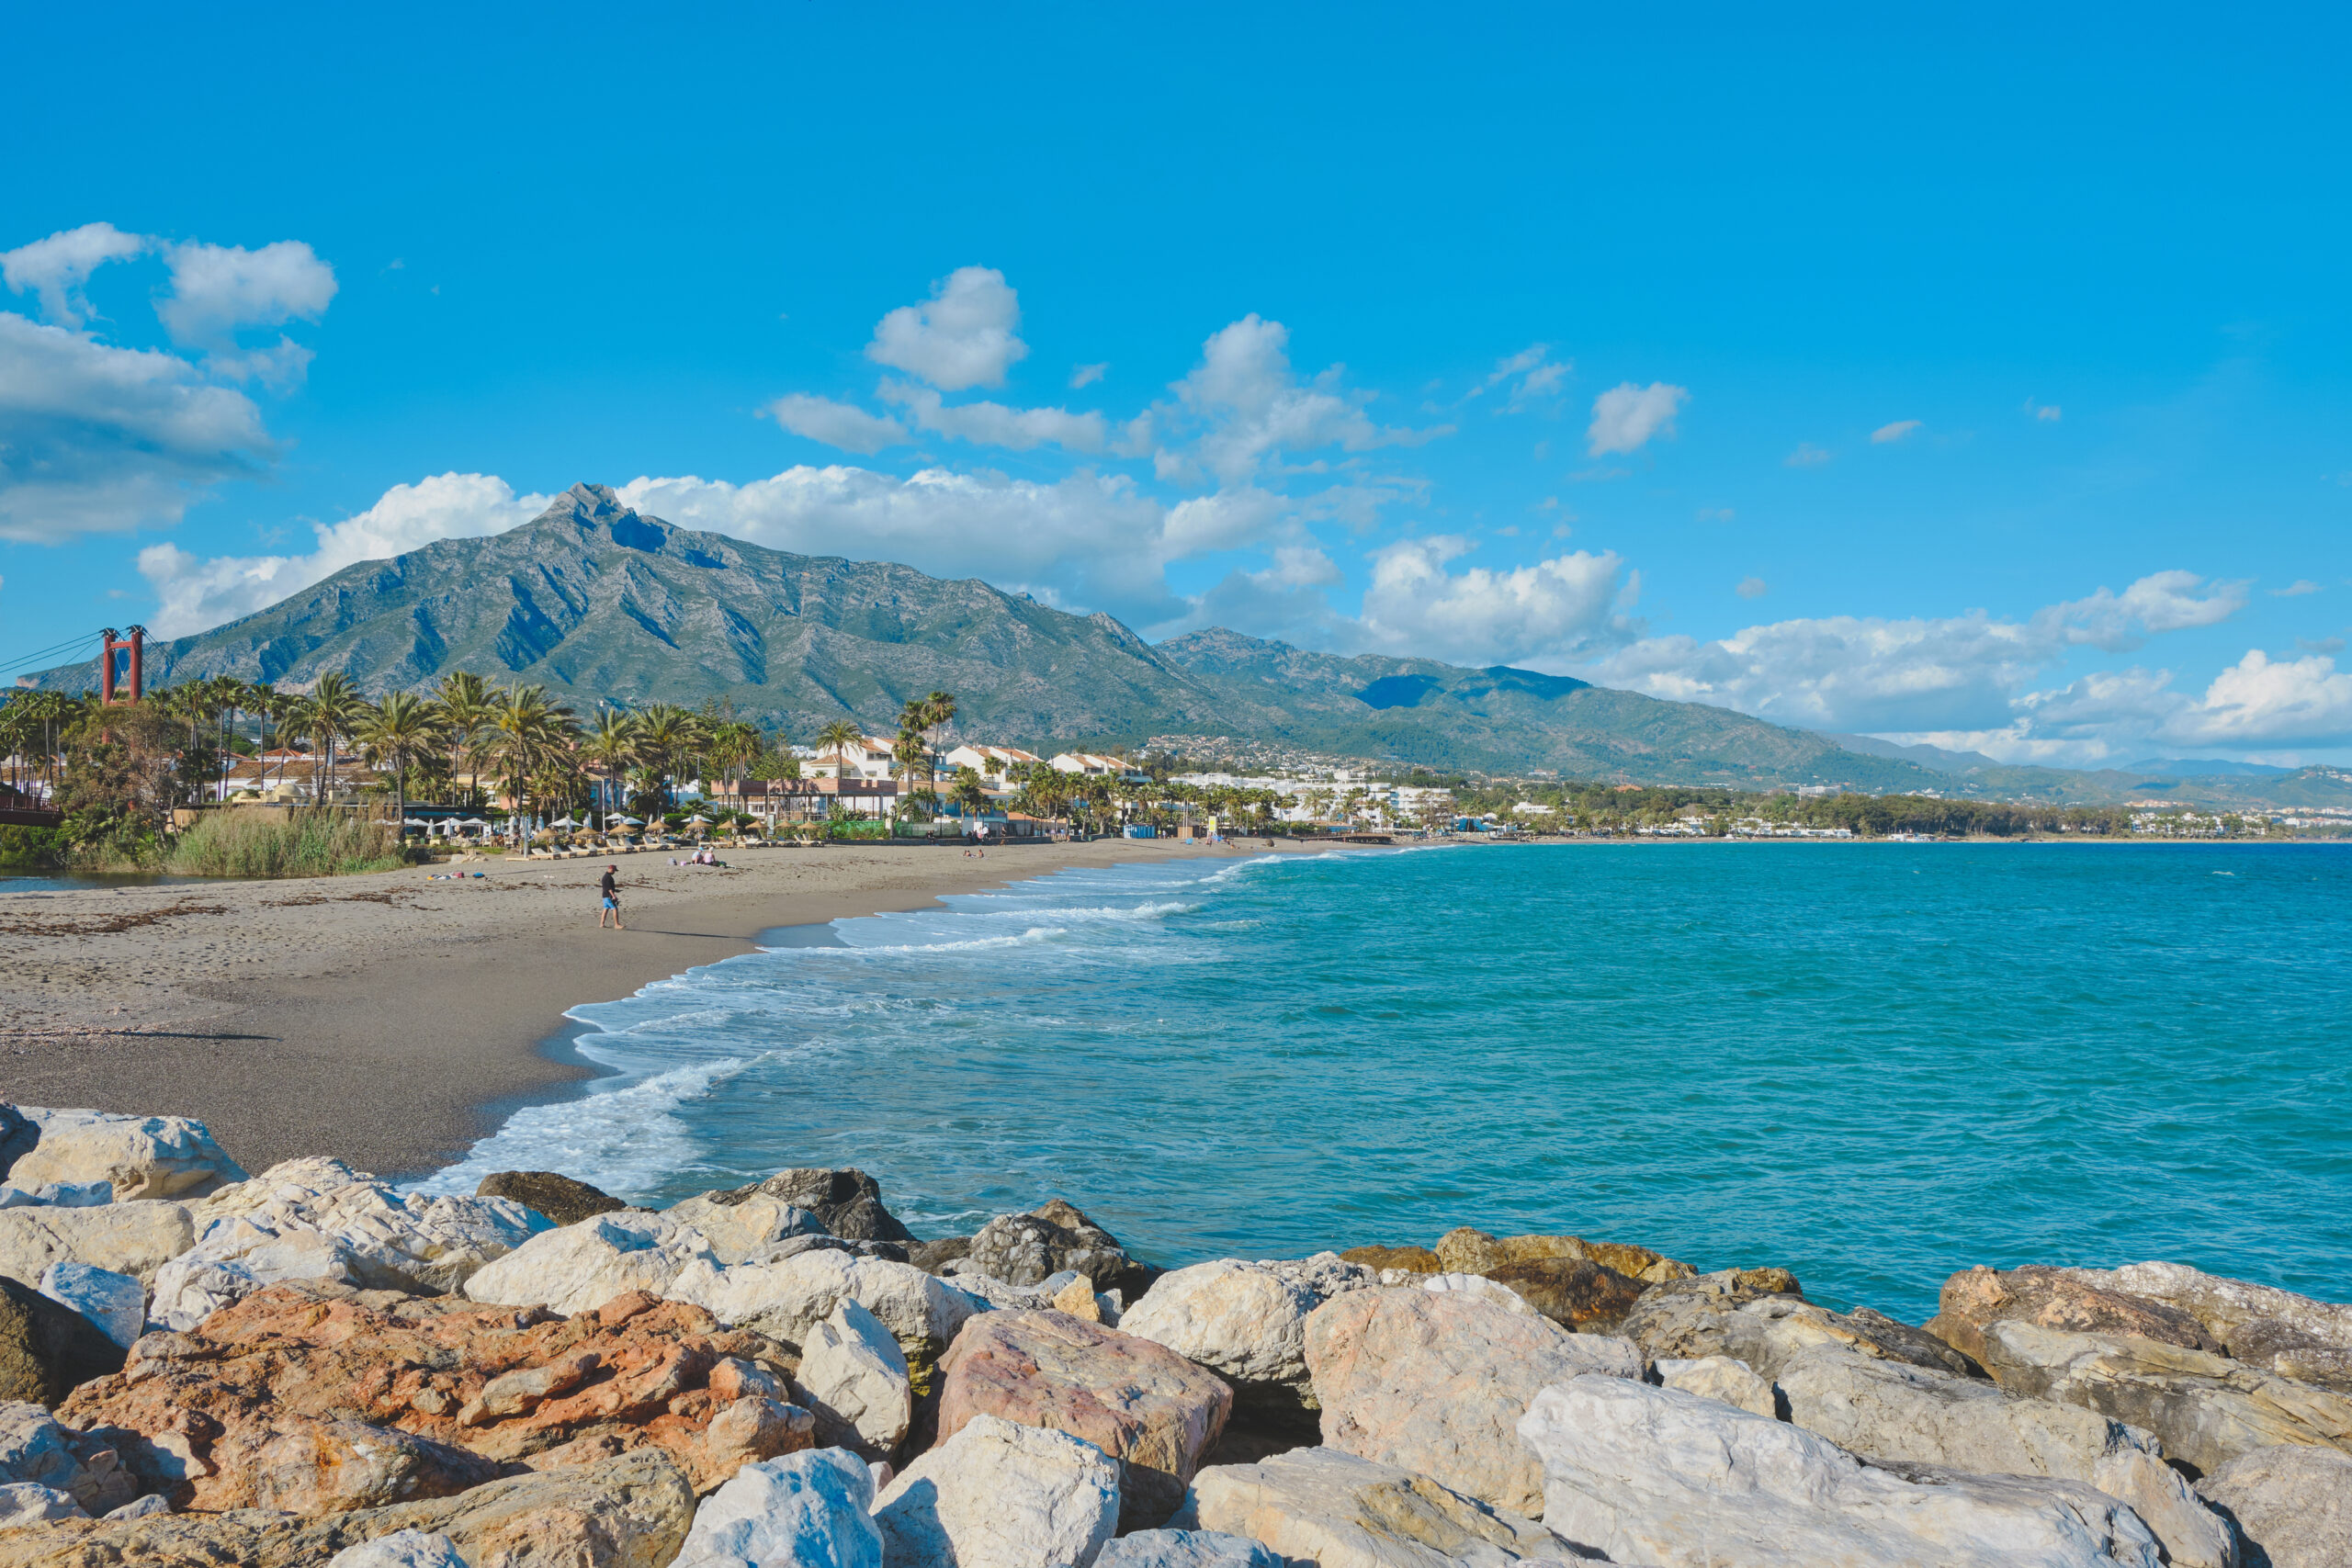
402	1019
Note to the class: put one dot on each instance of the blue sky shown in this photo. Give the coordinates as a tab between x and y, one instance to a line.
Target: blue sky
1983	381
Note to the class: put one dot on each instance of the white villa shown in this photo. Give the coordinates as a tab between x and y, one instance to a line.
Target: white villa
868	759
1093	766
993	763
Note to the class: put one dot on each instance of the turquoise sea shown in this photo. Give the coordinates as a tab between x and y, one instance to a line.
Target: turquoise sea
1873	1064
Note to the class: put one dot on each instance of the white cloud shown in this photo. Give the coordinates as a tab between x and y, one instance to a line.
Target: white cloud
94	437
1752	588
963	336
844	425
197	594
1626	416
1886	434
1087	375
2296	589
1255	408
1531	372
2162	602
1806	455
2049	413
218	289
1560	609
994	425
2259	700
56	268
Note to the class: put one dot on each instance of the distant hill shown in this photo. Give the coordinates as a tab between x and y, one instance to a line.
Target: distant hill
595	602
2207	768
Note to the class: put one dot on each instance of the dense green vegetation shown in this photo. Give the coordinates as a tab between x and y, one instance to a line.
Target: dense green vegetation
247	844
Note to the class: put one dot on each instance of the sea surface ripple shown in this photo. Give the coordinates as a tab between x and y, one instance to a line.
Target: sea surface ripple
1872	1064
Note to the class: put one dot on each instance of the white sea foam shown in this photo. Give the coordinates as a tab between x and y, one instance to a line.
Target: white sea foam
623	1139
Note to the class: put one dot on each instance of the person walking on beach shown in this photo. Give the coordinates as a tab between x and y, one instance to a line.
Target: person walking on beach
611	889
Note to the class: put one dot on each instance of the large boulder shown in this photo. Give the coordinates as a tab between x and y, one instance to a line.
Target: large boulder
1722	1378
1759	1316
2292	1504
1141	1403
115	1303
804	1510
35	1448
2293	1336
1975	1298
1382	1259
2206	1409
18	1133
1888	1410
402	1549
47	1349
1028	1249
1187	1549
1464	1250
853	1377
319	1219
1247	1323
307	1400
580	1266
847	1202
1437	1382
139	1156
1573	1292
122	1238
1336	1510
785	1300
632	1511
1653	1476
26	1504
561	1199
747	1227
1001	1495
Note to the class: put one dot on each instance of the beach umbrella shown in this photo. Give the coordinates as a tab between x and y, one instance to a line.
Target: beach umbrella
698	817
632	821
416	822
563	822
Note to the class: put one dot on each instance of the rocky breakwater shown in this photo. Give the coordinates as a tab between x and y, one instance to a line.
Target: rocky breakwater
322	1370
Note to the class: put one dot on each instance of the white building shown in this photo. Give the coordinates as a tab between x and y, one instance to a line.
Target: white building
866	759
1090	765
995	764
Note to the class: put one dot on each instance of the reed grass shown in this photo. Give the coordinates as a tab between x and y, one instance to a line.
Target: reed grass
231	842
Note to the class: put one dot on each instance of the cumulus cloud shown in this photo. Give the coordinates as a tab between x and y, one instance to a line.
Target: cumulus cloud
1887	434
216	289
94	437
55	269
1626	416
1560	609
1531	374
1087	375
994	425
1255	408
962	336
197	594
1806	455
844	425
1953	674
2296	589
1752	588
2274	702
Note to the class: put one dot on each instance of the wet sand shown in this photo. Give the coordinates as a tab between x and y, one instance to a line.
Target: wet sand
390	1020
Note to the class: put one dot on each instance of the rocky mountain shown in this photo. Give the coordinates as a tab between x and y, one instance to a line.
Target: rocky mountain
597	602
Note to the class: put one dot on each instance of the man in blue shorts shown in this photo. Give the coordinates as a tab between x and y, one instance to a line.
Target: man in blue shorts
612	891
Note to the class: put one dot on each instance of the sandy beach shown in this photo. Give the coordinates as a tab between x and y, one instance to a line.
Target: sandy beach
389	1018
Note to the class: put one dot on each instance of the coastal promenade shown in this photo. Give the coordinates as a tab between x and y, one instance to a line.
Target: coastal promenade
385	1018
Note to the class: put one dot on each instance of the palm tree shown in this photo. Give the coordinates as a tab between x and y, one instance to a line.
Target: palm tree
400	726
665	735
838	736
611	742
464	699
527	736
334	709
967	793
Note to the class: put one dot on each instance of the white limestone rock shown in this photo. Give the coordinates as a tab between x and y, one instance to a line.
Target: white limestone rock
116	1303
1887	1410
1187	1549
1479	1287
580	1266
401	1549
1001	1495
2206	1409
146	1507
1436	1381
786	1300
2293	1503
2232	1311
1653	1475
122	1238
740	1232
139	1156
1723	1378
59	1195
812	1509
853	1377
236	1258
1245	1322
26	1503
35	1448
1323	1507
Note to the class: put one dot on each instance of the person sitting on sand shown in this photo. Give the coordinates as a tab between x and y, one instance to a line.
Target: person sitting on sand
610	886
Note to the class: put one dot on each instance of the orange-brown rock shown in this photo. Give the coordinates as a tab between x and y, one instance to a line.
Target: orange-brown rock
314	1399
1573	1292
1413	1260
1975	1298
